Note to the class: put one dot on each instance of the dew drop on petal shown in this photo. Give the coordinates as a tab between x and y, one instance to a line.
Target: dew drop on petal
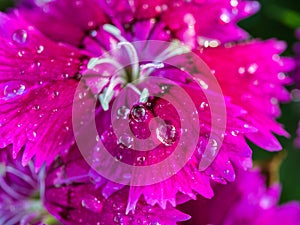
40	49
242	70
20	36
140	160
138	113
123	112
235	133
31	135
203	106
225	18
166	134
55	94
93	33
12	89
209	154
125	141
93	204
252	68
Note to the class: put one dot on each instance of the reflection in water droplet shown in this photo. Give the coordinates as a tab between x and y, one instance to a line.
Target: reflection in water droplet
166	134
138	113
123	112
93	204
125	141
20	36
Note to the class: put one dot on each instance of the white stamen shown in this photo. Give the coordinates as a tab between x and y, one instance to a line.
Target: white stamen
96	61
129	47
134	59
108	92
23	176
144	95
174	49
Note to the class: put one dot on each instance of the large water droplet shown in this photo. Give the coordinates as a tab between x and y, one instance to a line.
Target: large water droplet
138	113
93	204
20	36
209	153
166	134
125	141
123	112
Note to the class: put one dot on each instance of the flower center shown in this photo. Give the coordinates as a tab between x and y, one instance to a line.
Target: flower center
136	68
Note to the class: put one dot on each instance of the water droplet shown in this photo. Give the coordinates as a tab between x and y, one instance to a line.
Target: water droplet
235	133
140	160
252	68
210	147
36	107
119	157
234	3
31	135
242	70
123	112
138	113
225	17
164	88
125	140
21	53
40	49
55	94
93	33
20	36
93	204
203	106
65	75
12	89
166	134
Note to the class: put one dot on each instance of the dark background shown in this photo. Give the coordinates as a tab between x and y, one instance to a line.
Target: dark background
279	19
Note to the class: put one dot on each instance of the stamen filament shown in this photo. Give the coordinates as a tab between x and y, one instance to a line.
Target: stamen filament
23	176
9	190
129	47
174	49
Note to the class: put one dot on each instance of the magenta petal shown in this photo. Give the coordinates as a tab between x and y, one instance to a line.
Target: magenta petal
72	198
37	88
246	201
258	82
69	17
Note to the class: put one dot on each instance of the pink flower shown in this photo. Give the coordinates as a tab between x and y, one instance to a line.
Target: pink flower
49	47
21	193
73	199
246	201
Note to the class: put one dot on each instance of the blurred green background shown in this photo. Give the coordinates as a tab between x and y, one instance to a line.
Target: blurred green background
279	19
